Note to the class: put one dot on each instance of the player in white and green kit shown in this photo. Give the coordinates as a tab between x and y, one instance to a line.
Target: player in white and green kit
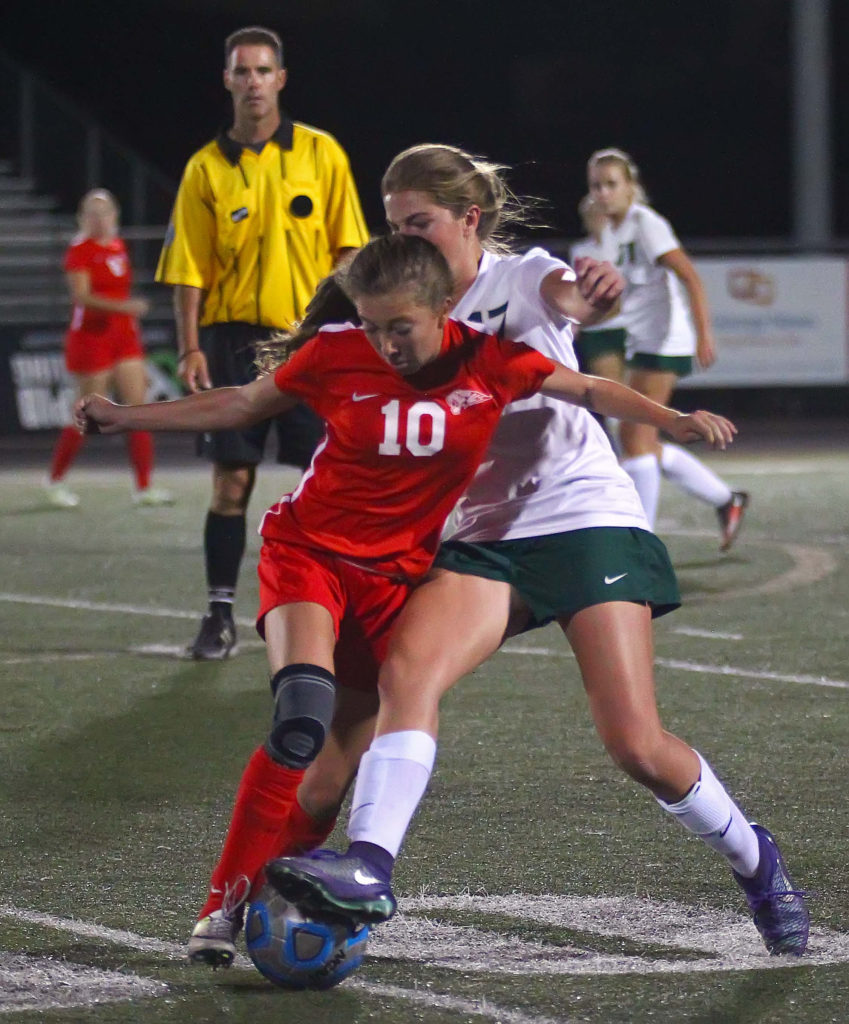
550	529
665	311
600	347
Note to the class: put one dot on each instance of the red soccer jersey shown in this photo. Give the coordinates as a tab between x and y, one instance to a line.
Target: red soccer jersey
109	273
399	451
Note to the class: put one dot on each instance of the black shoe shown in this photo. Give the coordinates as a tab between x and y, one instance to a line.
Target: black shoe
731	518
216	638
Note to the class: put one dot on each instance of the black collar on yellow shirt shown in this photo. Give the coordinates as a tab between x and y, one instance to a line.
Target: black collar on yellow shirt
232	150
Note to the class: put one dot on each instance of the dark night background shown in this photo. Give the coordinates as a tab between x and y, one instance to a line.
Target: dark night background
698	91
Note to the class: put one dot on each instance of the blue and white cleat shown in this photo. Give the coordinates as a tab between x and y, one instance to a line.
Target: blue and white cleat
326	882
779	909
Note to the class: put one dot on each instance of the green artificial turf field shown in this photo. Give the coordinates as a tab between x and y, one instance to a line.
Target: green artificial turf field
537	883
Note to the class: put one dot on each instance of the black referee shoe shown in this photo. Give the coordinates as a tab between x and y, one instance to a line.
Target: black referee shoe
216	637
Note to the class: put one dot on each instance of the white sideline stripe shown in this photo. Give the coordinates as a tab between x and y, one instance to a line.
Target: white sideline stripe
694	666
175	951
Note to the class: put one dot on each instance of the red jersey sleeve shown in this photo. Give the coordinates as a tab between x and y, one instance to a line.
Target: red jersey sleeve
301	373
78	257
514	370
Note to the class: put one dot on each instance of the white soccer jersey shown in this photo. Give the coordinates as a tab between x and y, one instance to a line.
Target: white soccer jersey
596	251
549	468
654	307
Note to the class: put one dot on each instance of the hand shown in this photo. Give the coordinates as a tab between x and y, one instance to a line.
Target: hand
702	426
706	351
193	371
599	283
94	414
137	307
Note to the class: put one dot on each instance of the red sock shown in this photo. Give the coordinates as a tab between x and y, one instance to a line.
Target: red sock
302	832
69	443
140	444
262	804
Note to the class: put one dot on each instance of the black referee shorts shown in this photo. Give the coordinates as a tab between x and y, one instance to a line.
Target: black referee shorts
230	353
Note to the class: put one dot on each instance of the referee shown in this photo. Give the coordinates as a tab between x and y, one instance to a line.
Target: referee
262	214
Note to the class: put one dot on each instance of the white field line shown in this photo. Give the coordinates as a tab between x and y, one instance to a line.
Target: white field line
708	634
42	983
105	606
694	666
726	941
436	1000
177	651
684	666
175	951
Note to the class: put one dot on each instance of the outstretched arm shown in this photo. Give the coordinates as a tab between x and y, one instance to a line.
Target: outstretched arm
609	398
219	409
589	298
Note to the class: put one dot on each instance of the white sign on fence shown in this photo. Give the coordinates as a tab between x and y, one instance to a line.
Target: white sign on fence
777	320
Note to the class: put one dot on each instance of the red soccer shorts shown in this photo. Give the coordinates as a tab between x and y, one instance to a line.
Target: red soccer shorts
93	353
364	604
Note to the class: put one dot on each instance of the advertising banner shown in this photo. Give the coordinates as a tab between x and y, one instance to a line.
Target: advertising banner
36	392
778	321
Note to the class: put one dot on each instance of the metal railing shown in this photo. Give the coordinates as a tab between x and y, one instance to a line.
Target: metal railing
64	151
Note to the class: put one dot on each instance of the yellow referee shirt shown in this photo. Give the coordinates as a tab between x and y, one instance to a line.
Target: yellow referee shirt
258	231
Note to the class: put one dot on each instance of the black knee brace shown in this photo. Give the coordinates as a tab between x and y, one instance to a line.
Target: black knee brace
304	696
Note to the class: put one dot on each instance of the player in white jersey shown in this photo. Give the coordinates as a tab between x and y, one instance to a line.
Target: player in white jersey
600	347
551	529
664	299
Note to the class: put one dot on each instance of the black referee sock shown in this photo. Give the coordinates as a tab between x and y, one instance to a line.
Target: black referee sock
224	545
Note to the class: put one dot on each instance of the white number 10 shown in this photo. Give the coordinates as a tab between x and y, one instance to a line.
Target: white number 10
413	439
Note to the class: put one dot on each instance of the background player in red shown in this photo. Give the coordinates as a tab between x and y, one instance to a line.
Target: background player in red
103	347
411	400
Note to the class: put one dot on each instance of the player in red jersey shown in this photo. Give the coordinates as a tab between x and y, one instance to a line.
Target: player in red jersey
103	348
411	400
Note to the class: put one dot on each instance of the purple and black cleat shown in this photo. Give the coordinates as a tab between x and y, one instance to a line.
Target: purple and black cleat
327	882
779	909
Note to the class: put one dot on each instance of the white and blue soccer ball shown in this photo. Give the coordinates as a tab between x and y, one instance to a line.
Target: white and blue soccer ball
299	952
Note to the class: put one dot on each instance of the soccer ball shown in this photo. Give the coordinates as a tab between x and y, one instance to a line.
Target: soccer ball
299	952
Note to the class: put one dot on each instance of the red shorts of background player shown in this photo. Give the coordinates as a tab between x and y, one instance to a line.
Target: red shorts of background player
93	353
364	604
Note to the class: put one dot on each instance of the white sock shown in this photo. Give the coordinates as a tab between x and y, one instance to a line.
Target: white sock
693	476
709	812
645	472
394	773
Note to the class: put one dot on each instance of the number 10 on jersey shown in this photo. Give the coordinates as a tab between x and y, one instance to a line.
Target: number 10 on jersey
433	414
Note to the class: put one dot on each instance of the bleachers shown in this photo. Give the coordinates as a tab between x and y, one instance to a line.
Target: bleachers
33	237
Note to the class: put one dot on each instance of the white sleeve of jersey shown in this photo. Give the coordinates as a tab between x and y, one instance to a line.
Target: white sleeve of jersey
537	264
656	234
534	267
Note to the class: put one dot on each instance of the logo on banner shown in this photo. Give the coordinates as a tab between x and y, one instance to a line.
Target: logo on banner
751	286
